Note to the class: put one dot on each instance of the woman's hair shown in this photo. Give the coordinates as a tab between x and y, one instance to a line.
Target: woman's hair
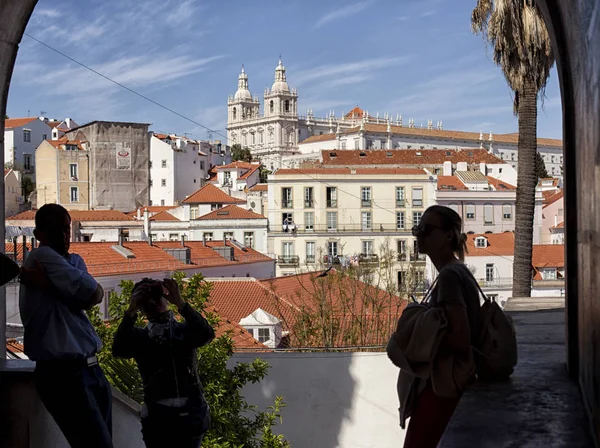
155	290
451	222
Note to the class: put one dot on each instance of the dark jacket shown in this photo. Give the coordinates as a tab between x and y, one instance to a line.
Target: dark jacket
168	368
8	269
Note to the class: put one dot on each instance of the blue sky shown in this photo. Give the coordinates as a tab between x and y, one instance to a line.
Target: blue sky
413	57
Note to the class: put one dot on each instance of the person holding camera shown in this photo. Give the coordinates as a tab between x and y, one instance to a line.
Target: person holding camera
175	412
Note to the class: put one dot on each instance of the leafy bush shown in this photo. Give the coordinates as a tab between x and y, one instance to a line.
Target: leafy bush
235	423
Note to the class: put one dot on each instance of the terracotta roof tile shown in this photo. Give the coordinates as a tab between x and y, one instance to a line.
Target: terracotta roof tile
547	256
260	187
152	210
241	338
209	194
79	215
10	123
319	138
550	199
560	225
498	244
323	170
60	144
450	183
212	174
15	349
500	185
397	156
231	212
249	167
357	112
53	124
163	216
205	255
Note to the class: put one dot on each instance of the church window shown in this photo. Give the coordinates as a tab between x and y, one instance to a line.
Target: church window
271	108
234	113
287	105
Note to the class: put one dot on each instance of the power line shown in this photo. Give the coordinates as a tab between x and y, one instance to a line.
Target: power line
156	103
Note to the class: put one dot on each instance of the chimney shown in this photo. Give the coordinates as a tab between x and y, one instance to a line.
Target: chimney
150	240
121	239
204	240
555	220
447	168
182	240
139	214
147	225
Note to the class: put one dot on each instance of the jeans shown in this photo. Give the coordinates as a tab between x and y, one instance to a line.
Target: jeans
79	399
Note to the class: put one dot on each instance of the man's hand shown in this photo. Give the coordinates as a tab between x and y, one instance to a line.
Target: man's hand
35	277
137	299
172	294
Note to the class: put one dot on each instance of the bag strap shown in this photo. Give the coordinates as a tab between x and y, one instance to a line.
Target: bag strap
427	297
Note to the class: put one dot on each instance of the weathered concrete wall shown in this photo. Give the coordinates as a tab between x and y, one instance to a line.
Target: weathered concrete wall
119	163
574	26
333	400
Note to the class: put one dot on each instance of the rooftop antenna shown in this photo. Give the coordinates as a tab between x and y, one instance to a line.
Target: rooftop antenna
43	112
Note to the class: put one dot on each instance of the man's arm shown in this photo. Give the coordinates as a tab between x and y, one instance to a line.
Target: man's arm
75	287
126	343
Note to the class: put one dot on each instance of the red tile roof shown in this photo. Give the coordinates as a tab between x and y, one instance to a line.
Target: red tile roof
212	174
323	170
357	112
450	183
423	157
14	349
53	124
240	337
319	138
231	212
500	185
10	123
550	199
249	167
152	210
204	255
79	215
547	256
559	226
163	216
498	244
259	187
6	171
60	144
209	194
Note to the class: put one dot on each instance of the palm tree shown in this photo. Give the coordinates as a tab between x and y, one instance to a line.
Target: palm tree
521	44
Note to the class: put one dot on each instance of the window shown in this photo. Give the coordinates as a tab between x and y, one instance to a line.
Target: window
417	218
194	212
489	272
74	194
214	207
173	237
480	241
227	178
331	196
332	248
512	156
454	207
399	196
27	162
287	249
365	195
227	236
234	113
561	211
162	202
331	221
507	211
194	180
367	247
249	239
400	220
419	278
417	196
287	105
286	197
208	236
401	280
310	251
470	211
70	147
366	221
163	182
308	197
309	221
26	135
287	218
201	164
73	171
488	214
264	335
356	143
163	163
549	274
344	144
271	107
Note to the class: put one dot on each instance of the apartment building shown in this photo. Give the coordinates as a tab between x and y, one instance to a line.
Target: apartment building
236	178
12	192
345	215
21	138
179	166
553	216
62	174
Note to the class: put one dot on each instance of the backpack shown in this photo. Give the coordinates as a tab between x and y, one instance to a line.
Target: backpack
496	352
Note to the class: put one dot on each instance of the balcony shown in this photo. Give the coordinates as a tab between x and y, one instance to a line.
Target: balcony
365	203
368	259
417	257
288	260
331	203
309	203
287	204
310	259
400	203
500	282
346	228
401	257
417	202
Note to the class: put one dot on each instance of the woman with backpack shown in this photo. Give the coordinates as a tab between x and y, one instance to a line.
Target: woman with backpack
455	295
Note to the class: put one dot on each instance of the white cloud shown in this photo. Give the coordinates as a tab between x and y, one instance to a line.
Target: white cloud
340	13
48	13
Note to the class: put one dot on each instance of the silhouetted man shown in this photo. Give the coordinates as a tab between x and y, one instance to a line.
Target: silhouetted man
60	337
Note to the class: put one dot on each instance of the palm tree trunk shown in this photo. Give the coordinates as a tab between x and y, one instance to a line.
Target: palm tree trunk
526	185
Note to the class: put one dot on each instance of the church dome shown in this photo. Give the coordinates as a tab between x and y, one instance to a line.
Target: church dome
242	92
280	84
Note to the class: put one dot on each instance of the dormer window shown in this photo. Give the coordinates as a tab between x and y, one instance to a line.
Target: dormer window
481	242
388	154
418	153
333	155
363	154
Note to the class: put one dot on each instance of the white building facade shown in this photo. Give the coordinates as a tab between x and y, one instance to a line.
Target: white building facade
22	136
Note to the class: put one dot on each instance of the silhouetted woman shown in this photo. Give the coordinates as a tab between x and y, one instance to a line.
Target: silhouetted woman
439	236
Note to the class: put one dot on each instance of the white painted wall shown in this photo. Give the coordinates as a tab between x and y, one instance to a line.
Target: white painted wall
345	400
12	193
553	214
15	147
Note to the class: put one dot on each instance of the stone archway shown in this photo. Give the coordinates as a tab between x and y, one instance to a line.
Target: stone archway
574	27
